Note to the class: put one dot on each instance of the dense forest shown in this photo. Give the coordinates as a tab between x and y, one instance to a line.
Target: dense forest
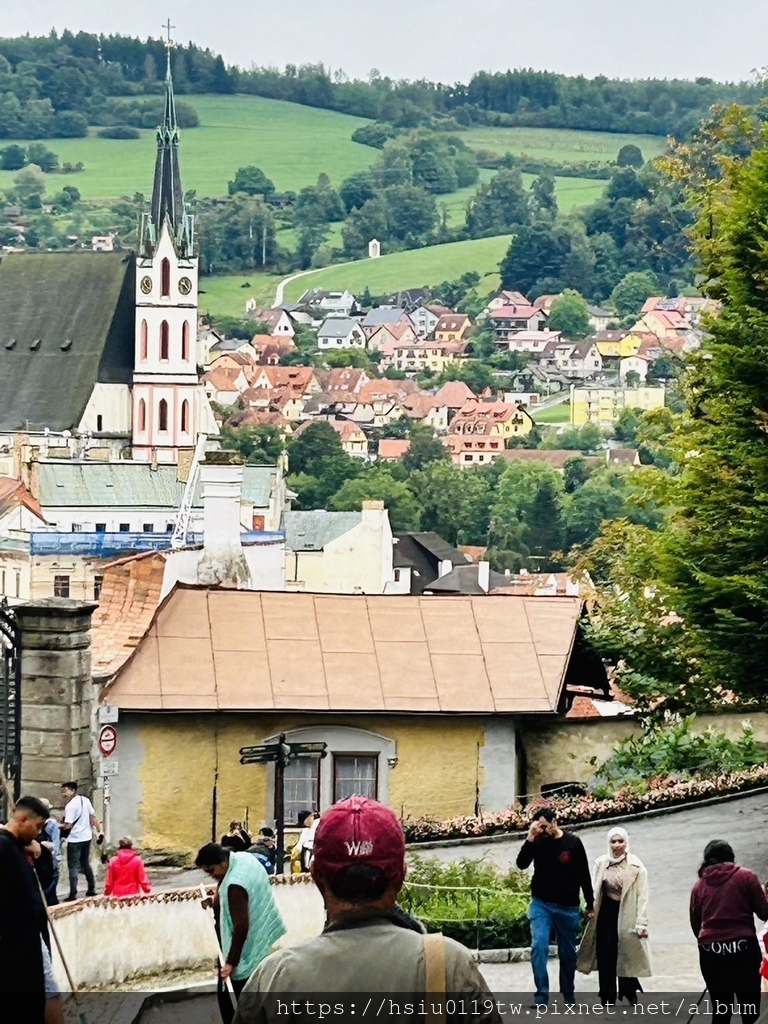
54	85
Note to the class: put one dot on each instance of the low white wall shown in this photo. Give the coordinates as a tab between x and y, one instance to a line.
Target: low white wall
108	941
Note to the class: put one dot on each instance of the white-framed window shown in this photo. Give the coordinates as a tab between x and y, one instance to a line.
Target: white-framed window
355	758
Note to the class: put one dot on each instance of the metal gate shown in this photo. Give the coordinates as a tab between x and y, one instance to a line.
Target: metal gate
10	704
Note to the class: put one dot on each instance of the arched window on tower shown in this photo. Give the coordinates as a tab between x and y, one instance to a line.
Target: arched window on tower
144	341
185	341
184	416
142	415
164	342
165	278
162	415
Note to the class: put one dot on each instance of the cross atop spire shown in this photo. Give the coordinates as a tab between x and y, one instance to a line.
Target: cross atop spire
168	26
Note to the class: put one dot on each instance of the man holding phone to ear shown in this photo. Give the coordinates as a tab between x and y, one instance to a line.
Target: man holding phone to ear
79	822
560	873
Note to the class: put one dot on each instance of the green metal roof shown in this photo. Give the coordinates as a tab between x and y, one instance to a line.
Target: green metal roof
311	531
126	484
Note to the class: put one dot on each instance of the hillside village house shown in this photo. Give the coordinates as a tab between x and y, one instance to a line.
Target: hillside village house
339	552
423	702
385	337
603	406
634	364
452	327
508	320
506	297
425	318
534	342
277	320
340	302
386	316
336	333
413	357
504	419
579	359
474	450
616	344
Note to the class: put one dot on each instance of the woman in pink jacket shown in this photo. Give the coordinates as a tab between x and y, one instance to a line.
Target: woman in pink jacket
126	875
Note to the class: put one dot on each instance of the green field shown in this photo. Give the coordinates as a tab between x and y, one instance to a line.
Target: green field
226	295
560	413
292	144
562	144
412	269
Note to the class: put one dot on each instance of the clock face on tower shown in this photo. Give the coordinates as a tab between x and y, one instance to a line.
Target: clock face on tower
185	285
146	285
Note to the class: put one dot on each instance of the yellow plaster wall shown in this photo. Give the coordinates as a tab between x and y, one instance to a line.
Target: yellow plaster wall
436	772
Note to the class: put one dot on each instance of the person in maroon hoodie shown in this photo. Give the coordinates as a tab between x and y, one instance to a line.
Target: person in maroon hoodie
126	875
723	904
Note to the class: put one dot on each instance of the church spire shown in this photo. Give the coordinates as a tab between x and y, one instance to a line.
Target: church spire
167	193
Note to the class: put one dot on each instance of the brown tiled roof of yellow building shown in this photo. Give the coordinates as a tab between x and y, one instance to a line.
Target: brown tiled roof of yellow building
215	650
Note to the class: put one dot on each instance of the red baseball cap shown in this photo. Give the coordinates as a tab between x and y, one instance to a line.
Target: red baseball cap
359	830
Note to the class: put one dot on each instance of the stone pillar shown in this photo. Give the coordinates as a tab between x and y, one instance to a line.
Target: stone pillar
57	696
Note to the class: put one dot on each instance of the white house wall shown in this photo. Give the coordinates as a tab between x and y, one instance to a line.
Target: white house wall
108	410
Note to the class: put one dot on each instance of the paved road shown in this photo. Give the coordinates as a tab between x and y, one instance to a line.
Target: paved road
670	846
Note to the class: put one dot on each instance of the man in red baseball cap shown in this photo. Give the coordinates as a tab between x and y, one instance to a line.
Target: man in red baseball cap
368	944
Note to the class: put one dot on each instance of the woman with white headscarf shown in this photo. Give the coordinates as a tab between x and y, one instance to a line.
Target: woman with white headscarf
615	941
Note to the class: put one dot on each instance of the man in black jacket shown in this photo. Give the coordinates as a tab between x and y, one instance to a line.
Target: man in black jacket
560	873
23	922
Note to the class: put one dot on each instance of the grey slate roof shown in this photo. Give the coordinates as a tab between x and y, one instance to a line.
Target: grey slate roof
311	531
125	484
336	327
462	579
66	322
383	315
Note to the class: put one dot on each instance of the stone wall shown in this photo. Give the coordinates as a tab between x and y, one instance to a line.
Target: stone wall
57	696
104	940
568	750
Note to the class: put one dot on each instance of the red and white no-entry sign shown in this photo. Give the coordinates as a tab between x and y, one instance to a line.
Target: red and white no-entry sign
108	740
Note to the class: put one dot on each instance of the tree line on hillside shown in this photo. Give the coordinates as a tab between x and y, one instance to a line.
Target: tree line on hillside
48	82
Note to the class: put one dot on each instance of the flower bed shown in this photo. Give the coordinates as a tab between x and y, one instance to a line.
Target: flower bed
572	810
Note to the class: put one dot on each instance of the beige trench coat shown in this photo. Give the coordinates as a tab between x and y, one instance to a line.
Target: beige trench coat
634	960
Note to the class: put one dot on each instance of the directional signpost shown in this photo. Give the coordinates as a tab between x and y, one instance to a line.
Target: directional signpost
280	754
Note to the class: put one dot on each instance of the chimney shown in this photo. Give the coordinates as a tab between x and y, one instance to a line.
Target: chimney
222	563
484	576
444	568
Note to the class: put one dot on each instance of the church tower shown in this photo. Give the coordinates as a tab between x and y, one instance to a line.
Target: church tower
170	408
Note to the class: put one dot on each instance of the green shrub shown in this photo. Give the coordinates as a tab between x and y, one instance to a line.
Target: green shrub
119	131
470	901
671	748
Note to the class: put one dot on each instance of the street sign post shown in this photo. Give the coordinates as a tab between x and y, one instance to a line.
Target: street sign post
109	768
107	741
281	754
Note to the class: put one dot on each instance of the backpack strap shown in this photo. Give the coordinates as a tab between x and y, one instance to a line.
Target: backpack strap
434	972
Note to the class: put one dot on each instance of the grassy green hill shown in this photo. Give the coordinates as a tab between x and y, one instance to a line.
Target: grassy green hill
411	269
226	295
291	143
561	144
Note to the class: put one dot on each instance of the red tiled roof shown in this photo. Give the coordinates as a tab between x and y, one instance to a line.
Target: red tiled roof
130	595
393	448
453	394
13	493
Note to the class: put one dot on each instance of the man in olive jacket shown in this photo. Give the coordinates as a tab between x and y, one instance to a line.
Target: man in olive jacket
368	945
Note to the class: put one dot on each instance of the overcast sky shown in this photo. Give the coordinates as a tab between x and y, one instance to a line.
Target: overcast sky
443	40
